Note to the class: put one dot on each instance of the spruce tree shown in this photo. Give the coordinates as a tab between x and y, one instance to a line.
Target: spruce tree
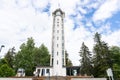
101	59
68	61
86	66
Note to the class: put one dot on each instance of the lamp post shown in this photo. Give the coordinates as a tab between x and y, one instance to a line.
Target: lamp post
1	47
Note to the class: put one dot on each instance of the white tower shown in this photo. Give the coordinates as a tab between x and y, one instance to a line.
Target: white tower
58	44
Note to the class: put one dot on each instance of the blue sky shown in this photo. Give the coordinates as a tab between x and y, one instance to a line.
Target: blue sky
20	19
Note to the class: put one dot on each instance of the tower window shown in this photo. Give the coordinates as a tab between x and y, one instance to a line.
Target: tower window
57	61
62	53
52	61
57	53
62	31
63	61
57	31
57	38
62	37
62	24
57	24
63	44
57	45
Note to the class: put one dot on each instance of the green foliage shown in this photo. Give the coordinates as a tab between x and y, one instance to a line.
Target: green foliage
115	50
41	56
23	58
3	61
6	71
10	57
101	58
5	68
30	56
68	61
86	66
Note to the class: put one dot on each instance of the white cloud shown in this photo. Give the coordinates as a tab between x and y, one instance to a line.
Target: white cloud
113	38
40	4
7	4
16	25
106	10
23	3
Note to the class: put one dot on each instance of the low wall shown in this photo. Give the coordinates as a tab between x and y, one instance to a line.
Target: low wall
53	79
15	78
88	79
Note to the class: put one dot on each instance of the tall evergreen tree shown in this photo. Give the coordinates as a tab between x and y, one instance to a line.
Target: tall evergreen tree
101	58
68	61
10	57
3	61
86	66
6	65
6	71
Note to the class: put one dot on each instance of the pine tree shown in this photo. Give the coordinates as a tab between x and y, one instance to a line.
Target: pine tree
10	57
101	58
86	66
68	61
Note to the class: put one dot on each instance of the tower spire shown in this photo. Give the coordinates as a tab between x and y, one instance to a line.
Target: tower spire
58	5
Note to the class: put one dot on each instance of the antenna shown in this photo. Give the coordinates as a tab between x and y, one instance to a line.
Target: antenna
58	4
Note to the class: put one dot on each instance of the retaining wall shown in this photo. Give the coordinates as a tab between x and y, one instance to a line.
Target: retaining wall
15	78
88	79
53	79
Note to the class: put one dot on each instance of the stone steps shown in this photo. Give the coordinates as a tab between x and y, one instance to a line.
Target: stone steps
51	78
67	78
